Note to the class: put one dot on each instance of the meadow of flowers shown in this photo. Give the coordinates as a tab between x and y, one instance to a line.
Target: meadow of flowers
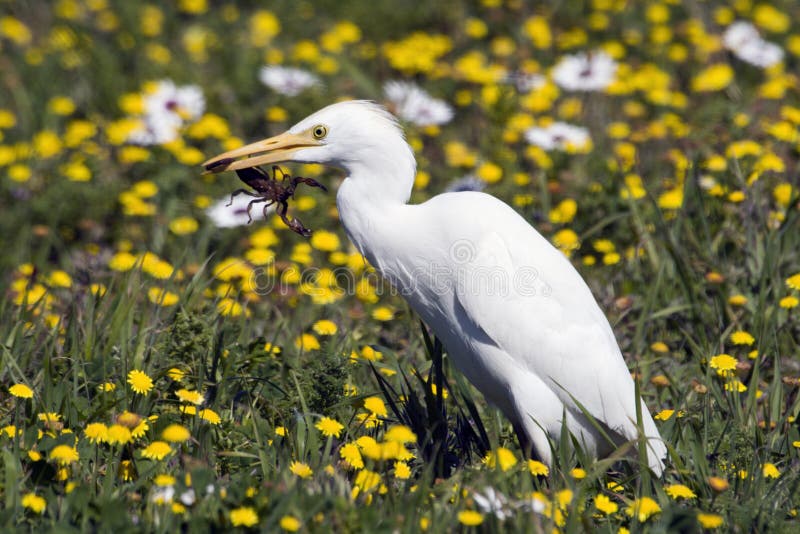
167	365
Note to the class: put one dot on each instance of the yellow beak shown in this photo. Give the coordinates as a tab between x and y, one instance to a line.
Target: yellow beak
272	150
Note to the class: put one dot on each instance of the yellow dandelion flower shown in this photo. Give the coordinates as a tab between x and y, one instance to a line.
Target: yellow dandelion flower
713	78
193	397
725	364
176	374
376	406
400	434
96	432
210	416
164	480
470	518
64	455
107	387
329	427
281	431
615	487
709	521
183	225
301	469
793	281
351	454
325	241
383	313
604	504
679	491
664	415
162	297
741	337
642	509
176	433
127	471
718	484
770	471
367	480
140	382
290	523
401	470
578	473
230	307
244	517
789	302
34	503
118	435
537	468
21	391
325	327
158	450
501	457
307	342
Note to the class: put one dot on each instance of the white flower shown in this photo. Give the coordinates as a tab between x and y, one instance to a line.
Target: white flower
166	109
743	39
415	105
163	494
224	215
188	497
585	72
287	80
534	504
493	502
558	136
738	34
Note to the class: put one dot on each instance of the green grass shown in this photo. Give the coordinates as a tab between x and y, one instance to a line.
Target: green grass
676	280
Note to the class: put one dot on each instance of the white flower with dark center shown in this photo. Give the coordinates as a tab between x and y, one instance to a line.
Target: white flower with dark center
744	41
166	109
224	215
415	105
287	80
558	136
585	72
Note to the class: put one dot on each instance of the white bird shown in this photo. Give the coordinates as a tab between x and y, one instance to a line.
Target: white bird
515	316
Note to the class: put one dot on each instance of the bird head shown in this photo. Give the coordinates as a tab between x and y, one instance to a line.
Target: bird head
356	135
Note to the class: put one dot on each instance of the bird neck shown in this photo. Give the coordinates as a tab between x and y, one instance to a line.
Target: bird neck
375	189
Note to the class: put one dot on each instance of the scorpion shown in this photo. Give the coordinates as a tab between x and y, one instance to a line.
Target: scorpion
272	191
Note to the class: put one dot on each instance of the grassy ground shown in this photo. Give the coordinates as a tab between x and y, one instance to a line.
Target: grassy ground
159	372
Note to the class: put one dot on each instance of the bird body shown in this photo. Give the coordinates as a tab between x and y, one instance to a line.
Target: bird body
515	316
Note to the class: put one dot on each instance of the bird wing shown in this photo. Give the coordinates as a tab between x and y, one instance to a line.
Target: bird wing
547	320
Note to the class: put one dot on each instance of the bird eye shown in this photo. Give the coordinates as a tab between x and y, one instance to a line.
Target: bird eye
319	131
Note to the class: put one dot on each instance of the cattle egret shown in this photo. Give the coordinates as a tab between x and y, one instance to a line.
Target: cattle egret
515	316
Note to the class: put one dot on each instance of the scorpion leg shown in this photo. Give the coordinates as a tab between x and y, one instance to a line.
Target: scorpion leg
308	181
241	192
266	206
250	206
